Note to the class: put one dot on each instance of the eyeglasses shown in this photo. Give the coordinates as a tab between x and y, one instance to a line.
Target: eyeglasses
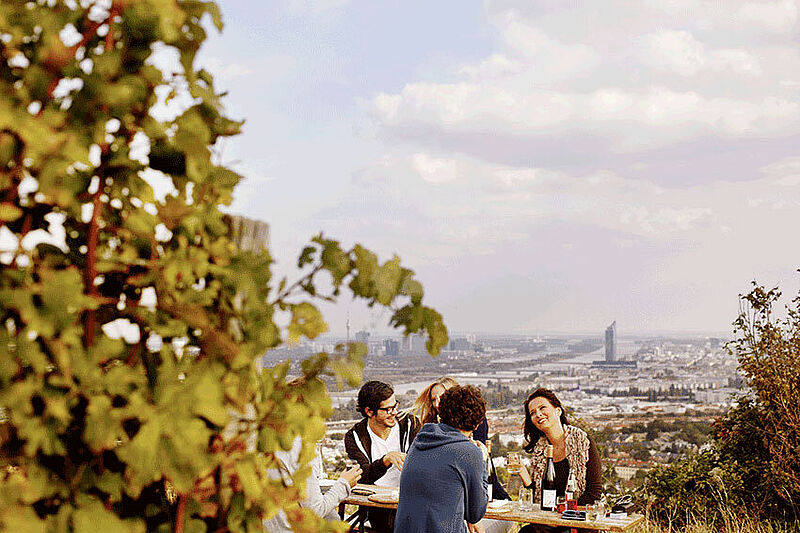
388	409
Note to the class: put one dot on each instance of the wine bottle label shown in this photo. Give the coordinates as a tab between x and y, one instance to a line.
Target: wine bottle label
548	500
570	495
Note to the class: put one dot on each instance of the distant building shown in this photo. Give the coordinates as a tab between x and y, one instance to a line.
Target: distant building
611	342
413	344
461	344
611	351
362	336
392	347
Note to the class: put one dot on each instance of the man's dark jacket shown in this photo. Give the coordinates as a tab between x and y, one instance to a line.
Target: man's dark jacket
358	445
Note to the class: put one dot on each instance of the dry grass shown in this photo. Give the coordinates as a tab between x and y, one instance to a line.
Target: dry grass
737	525
732	526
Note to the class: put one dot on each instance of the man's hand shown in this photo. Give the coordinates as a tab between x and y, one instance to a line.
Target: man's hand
475	528
395	458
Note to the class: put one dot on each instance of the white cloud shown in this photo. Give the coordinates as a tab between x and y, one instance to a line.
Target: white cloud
495	66
785	172
779	16
434	170
647	76
227	70
314	7
665	220
680	52
766	16
631	119
549	58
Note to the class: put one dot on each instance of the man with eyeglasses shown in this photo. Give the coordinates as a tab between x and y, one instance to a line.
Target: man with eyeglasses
378	443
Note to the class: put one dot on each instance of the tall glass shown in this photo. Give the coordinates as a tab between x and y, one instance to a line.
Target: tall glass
525	499
513	463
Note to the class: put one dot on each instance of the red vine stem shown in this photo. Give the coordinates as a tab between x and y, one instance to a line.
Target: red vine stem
94	224
179	515
91	263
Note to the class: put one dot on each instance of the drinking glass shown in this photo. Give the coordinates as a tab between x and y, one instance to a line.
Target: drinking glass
513	463
595	510
591	511
572	504
561	504
525	499
601	508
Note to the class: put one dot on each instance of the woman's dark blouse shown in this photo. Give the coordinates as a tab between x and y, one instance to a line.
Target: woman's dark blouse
482	434
594	477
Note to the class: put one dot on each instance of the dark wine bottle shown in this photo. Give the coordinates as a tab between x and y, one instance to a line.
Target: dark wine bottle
549	482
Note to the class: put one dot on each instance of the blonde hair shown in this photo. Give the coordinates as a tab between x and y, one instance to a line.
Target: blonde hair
423	406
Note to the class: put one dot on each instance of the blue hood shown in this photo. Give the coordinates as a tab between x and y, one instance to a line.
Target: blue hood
443	483
435	435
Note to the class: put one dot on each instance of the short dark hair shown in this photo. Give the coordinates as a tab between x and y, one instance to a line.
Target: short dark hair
371	394
532	434
462	407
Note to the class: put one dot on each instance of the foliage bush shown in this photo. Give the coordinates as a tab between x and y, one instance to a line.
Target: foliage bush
753	463
165	425
696	487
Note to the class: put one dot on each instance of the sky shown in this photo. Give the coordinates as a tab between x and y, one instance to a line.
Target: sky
542	166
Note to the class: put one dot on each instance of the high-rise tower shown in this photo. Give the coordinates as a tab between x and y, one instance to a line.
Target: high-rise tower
611	342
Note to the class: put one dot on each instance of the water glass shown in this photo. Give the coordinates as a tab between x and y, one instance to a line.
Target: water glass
596	510
525	499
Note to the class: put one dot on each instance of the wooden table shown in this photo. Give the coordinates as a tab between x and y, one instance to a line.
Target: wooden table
547	518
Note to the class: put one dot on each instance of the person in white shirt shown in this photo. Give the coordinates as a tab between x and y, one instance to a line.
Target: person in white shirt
324	505
378	443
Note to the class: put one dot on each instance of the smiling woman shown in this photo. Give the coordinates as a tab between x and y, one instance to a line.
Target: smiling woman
574	452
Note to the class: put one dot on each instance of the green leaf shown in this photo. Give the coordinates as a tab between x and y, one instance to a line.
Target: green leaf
22	520
334	259
208	399
306	256
111	483
306	321
9	212
140	455
92	517
102	430
246	470
387	280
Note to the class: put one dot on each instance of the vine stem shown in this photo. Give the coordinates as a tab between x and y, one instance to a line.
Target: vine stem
94	224
179	515
91	265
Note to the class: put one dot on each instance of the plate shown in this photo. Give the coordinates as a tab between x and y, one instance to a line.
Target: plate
500	509
383	497
498	504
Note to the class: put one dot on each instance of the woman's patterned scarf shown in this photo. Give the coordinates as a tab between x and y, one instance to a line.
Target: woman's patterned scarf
577	456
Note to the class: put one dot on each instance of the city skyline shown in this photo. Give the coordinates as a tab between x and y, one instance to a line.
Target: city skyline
537	177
